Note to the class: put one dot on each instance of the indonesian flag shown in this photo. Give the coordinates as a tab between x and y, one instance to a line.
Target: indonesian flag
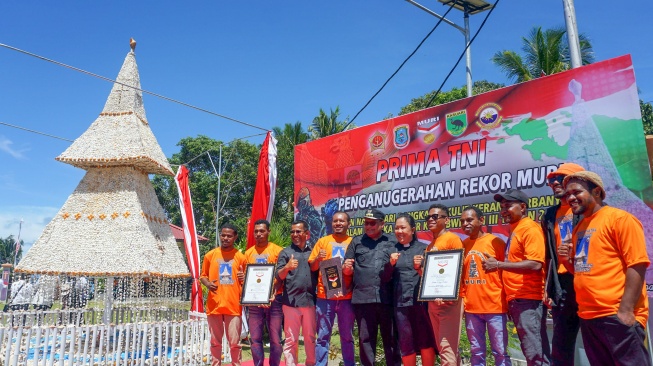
190	237
266	185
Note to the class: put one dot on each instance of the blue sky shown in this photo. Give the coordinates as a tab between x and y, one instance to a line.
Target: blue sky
263	62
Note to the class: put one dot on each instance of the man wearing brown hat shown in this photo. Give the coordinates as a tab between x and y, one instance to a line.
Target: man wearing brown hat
365	258
523	276
557	225
608	257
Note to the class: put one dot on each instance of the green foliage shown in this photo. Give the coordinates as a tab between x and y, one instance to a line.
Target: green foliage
201	155
647	116
419	103
7	250
326	125
544	52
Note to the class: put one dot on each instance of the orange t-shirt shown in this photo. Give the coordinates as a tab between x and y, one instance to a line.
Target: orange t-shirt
446	241
481	290
525	243
270	254
221	267
335	246
563	227
605	245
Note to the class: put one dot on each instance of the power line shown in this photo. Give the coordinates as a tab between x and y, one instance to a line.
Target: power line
36	132
463	53
130	86
403	63
213	149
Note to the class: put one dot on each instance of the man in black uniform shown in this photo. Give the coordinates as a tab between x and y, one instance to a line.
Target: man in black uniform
371	299
557	223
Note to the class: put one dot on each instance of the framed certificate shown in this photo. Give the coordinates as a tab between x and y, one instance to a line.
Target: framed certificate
257	288
441	275
331	272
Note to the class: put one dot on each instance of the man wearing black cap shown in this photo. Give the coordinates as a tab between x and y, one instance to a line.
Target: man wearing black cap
365	259
557	224
523	276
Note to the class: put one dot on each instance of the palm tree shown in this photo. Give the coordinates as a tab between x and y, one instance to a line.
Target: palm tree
544	52
324	125
292	134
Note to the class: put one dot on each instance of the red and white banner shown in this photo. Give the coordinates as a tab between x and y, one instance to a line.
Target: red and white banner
266	185
190	237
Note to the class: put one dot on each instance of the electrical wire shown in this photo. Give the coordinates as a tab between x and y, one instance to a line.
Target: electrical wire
133	87
36	132
462	54
209	150
404	62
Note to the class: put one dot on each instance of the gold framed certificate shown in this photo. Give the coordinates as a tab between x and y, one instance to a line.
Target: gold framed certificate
441	275
257	288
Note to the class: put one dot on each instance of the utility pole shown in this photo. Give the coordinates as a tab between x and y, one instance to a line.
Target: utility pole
572	33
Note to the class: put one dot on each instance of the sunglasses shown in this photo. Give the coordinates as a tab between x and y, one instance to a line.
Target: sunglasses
436	217
557	178
371	223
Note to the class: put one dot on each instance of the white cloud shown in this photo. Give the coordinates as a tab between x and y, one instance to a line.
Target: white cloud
35	218
5	145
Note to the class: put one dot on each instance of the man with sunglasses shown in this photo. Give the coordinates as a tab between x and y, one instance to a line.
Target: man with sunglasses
557	224
446	317
523	276
371	299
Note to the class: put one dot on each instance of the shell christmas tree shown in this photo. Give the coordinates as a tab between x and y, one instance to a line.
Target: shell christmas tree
112	224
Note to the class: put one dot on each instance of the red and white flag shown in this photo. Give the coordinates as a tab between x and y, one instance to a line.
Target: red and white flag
190	237
266	185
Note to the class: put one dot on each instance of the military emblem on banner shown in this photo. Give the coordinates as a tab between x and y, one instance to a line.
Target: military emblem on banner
457	123
402	138
488	116
377	141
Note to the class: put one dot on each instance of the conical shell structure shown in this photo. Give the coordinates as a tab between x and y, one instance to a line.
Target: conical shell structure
112	224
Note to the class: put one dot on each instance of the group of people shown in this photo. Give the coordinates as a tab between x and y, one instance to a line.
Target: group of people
585	260
41	292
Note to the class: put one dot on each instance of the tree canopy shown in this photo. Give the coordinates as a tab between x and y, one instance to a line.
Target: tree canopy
544	52
8	248
419	103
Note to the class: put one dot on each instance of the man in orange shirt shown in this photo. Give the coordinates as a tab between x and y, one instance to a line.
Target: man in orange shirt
609	261
271	316
330	246
523	276
481	290
446	317
223	274
557	224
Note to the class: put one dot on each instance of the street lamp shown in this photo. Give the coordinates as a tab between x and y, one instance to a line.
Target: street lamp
468	7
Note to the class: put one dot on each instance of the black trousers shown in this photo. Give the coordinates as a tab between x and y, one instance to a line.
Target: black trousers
608	341
369	318
565	324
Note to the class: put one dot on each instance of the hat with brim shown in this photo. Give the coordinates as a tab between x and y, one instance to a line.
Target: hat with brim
512	195
566	169
586	176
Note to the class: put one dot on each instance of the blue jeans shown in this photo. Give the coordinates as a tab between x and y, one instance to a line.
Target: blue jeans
530	320
496	328
258	319
326	311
